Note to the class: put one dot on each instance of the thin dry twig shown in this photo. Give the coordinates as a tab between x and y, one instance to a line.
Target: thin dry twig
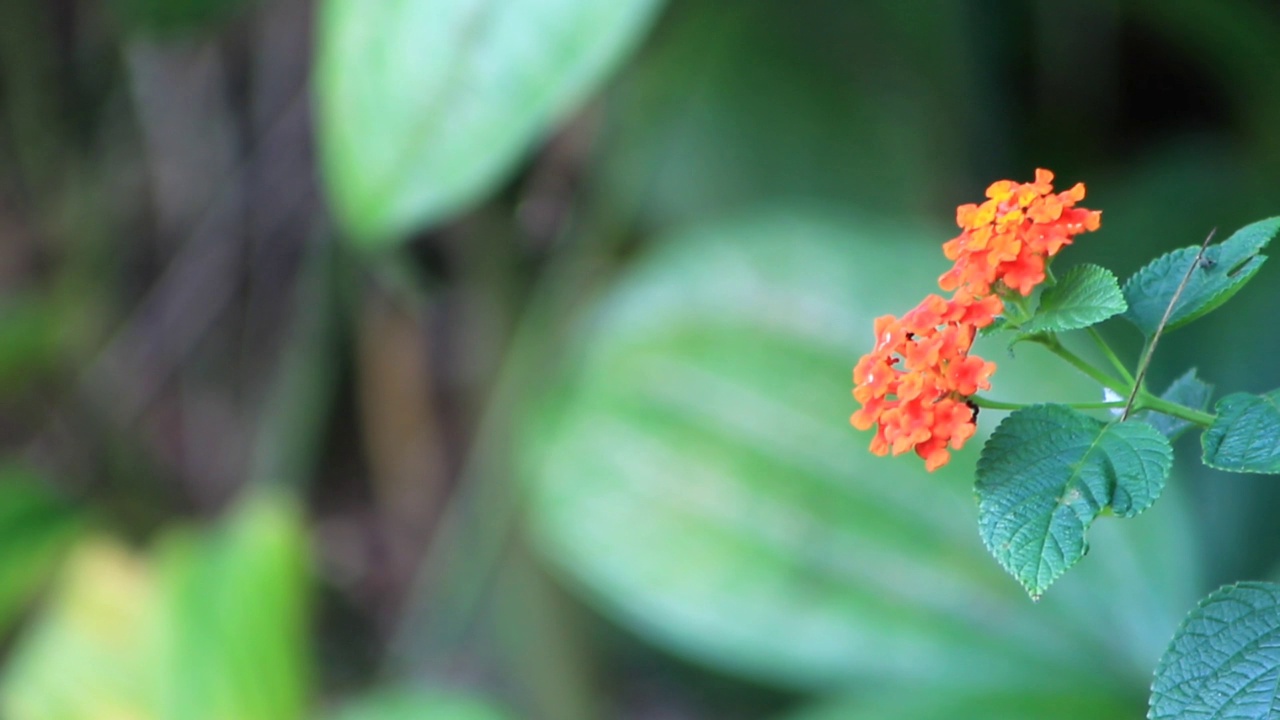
1155	338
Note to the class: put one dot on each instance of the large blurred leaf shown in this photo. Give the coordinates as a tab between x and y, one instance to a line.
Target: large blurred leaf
424	106
35	530
93	653
917	704
697	476
214	630
416	705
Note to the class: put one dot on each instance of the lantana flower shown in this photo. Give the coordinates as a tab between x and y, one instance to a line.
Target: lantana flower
1008	238
916	383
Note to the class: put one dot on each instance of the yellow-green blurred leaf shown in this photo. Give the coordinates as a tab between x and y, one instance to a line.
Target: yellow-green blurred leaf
94	652
212	629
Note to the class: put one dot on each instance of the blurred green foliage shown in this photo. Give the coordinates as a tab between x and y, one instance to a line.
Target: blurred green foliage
29	336
415	704
208	626
36	527
907	705
487	80
169	17
532	390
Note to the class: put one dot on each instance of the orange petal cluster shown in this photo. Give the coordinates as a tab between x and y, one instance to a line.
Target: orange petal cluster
1008	238
915	384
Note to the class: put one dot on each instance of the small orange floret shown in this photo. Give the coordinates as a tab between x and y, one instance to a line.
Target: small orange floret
915	384
980	312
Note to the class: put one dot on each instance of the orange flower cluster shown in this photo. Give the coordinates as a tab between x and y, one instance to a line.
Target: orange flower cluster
1008	238
915	384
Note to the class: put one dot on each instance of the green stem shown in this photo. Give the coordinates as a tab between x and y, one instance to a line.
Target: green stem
1110	355
1098	405
989	404
1085	367
1147	401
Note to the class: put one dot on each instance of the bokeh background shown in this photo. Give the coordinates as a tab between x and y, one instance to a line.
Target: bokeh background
474	360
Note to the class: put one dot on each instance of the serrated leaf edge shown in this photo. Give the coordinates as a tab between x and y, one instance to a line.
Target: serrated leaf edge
1204	438
1038	591
1031	328
1217	299
1166	660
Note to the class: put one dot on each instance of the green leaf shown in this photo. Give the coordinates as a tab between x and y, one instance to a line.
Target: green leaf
1222	272
424	107
216	627
1210	185
693	474
1047	472
36	529
949	703
237	617
417	704
1224	661
999	325
94	644
1189	391
1245	437
1085	296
